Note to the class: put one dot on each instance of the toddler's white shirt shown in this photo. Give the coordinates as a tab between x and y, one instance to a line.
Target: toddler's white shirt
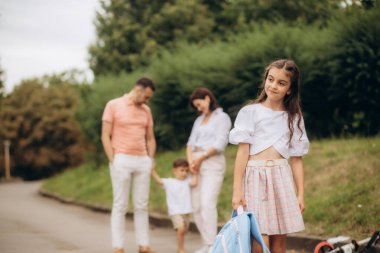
178	196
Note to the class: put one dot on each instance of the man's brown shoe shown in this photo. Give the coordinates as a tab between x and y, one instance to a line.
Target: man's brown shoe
145	250
119	250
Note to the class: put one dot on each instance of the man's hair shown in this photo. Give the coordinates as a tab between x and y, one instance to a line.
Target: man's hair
146	82
180	162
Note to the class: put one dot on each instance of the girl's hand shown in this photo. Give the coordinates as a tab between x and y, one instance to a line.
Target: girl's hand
238	199
301	203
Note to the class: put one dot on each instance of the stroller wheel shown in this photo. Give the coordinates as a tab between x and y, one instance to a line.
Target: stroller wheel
323	247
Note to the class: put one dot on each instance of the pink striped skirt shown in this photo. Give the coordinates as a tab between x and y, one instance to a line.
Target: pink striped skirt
270	195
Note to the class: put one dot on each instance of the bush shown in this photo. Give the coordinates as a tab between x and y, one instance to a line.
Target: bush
339	75
232	70
354	72
40	124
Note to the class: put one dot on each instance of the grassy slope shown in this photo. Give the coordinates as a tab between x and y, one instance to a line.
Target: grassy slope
341	181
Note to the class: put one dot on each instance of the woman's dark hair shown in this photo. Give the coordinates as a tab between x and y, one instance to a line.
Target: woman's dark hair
146	82
292	100
180	162
201	93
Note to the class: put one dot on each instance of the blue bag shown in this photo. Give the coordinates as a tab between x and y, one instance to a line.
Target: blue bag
235	236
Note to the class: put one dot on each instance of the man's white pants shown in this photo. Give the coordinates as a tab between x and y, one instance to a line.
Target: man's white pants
205	195
126	171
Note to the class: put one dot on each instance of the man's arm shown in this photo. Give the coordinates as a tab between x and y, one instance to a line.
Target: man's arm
151	142
106	139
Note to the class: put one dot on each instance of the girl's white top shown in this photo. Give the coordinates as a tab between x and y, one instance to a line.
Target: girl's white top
263	127
212	134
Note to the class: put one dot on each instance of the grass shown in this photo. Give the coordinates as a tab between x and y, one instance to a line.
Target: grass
341	186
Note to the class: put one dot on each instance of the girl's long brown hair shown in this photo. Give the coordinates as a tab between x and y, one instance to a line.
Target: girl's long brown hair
292	100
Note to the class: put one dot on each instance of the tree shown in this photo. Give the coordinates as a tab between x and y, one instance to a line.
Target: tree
132	33
121	35
40	123
1	83
354	67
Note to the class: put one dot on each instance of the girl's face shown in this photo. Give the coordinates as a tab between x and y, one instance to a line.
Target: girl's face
202	105
277	84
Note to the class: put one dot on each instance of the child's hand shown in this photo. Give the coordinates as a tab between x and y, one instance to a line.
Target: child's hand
194	172
301	203
238	199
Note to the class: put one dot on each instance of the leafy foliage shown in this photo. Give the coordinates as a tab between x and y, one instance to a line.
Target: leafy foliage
40	123
339	76
354	69
1	82
130	34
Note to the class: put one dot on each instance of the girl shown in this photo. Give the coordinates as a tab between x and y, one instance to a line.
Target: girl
268	132
207	141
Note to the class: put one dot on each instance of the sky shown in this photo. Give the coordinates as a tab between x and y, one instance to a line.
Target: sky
39	37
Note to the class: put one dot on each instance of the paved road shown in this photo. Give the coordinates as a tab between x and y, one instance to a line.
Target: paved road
34	224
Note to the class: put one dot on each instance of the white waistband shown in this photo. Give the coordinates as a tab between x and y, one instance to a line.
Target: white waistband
267	163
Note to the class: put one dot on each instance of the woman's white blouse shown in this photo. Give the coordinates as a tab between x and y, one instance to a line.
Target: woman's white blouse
213	134
263	127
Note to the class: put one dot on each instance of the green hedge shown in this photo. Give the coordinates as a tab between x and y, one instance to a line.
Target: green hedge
339	66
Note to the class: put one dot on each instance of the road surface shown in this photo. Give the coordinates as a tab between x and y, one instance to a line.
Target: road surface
30	223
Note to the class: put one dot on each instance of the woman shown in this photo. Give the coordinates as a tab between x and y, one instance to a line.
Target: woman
207	141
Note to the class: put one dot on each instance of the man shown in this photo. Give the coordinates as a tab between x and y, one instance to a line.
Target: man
130	145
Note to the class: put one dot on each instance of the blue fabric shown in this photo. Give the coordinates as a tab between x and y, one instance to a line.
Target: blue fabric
235	236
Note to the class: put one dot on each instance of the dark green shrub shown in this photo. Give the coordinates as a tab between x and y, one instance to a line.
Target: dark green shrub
354	71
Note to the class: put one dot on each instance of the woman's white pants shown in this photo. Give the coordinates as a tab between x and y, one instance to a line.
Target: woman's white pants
205	195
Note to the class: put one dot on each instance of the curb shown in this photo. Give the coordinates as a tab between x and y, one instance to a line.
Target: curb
296	243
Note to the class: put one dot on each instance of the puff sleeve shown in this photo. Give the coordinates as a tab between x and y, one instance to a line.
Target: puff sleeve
299	145
243	127
223	126
191	141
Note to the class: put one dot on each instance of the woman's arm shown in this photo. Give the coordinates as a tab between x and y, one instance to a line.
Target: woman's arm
222	129
189	157
194	180
298	175
240	165
197	162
